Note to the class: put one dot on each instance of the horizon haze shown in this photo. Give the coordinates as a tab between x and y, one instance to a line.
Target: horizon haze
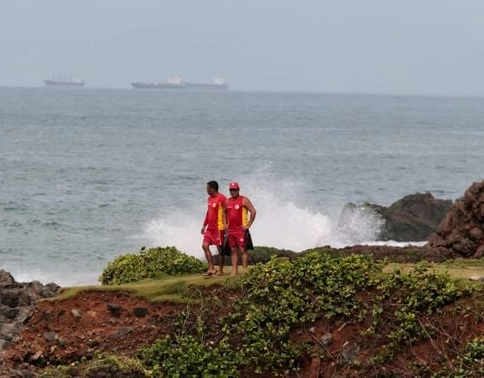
349	46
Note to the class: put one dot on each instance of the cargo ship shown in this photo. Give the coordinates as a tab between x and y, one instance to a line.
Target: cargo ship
176	82
219	84
71	81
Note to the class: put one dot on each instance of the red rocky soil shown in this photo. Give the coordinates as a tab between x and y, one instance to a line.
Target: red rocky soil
61	332
114	322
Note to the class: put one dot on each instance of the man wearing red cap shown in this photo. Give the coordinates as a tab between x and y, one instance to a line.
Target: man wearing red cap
213	227
240	214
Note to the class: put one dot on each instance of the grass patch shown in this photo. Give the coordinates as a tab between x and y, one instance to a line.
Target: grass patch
457	269
166	289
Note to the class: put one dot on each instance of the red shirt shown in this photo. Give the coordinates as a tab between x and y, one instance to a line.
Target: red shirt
237	214
214	217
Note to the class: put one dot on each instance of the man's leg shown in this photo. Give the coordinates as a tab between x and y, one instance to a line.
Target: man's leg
245	258
234	258
208	256
221	261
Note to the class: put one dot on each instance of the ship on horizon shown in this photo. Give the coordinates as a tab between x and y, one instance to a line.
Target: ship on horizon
176	82
69	81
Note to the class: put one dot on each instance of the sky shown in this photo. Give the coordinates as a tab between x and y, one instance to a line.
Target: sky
340	46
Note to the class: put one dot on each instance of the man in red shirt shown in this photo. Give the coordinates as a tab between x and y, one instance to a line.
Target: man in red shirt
240	214
213	227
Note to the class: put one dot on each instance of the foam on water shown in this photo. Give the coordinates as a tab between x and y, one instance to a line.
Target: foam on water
280	223
89	175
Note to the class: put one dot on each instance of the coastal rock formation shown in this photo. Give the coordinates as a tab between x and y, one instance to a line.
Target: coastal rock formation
412	218
462	230
16	304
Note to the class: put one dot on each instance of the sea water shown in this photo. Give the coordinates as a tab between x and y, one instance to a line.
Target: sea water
90	174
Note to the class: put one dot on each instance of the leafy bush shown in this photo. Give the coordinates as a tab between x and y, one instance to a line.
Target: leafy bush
419	292
186	356
287	294
101	366
469	364
154	263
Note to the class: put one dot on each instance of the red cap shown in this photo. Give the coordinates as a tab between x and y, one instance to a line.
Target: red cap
234	185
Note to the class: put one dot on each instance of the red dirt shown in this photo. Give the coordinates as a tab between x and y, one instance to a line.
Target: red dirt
55	335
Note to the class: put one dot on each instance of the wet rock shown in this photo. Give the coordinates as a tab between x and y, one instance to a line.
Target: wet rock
16	304
413	218
462	229
6	279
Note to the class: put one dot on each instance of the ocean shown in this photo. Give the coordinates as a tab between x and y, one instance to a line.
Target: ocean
90	174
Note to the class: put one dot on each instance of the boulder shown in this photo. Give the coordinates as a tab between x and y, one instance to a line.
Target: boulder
413	218
462	230
16	304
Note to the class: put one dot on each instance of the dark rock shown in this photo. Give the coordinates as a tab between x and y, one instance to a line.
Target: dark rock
74	372
6	279
413	218
462	230
11	297
9	312
408	254
16	305
140	312
114	309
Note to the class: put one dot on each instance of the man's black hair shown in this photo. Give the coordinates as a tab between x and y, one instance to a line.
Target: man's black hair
213	184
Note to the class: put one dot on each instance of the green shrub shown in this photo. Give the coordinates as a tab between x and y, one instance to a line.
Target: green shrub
154	263
186	356
101	366
285	294
469	364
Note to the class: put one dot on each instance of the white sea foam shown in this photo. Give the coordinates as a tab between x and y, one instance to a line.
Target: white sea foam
129	169
279	223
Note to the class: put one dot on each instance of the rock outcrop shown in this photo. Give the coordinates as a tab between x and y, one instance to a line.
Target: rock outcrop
413	218
462	229
16	304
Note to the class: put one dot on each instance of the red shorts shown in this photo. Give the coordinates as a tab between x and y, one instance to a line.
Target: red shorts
237	238
213	237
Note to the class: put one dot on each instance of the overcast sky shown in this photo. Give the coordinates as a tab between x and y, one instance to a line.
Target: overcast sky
369	46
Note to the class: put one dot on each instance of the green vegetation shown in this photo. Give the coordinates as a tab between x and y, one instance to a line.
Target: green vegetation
154	263
393	309
470	364
169	288
285	295
100	366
